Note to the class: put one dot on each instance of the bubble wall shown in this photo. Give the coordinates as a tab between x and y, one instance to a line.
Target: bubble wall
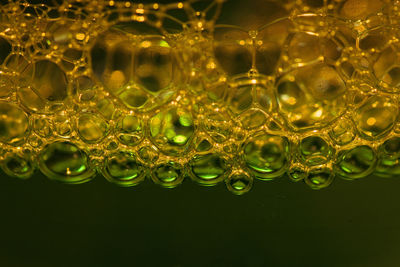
162	91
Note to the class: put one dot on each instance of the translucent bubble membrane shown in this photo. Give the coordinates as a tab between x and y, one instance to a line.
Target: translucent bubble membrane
169	91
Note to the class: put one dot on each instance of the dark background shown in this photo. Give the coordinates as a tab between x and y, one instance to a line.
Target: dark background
279	223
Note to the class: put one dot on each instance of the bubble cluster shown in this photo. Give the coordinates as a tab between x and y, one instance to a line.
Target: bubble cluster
163	91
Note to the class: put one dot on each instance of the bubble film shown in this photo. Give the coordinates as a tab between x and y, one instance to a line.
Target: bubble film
163	91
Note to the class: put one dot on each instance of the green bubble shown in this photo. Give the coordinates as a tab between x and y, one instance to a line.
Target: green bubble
314	150
208	169
65	162
389	158
356	163
296	173
266	156
319	178
17	166
239	183
122	169
168	175
171	130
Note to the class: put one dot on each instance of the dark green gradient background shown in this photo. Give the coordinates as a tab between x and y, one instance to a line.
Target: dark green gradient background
279	223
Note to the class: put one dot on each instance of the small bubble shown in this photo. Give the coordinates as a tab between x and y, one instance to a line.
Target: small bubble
376	116
14	124
297	172
319	178
314	150
266	156
17	166
92	128
172	130
149	154
167	175
239	183
356	163
208	169
122	169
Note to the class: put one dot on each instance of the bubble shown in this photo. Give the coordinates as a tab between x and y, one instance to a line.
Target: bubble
61	32
325	83
13	123
92	128
138	71
72	54
112	59
62	125
65	162
354	9
386	69
375	40
123	169
356	163
241	95
133	97
232	50
216	90
388	160
392	77
270	46
239	183
266	155
314	150
106	108
49	84
19	64
155	67
241	98
359	9
265	95
18	166
319	178
297	172
208	169
42	126
217	125
130	130
85	89
252	119
111	144
171	130
342	132
167	175
318	84
7	85
202	144
290	96
376	116
304	47
149	154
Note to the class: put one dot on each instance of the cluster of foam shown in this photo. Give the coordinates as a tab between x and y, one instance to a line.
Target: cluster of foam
162	91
